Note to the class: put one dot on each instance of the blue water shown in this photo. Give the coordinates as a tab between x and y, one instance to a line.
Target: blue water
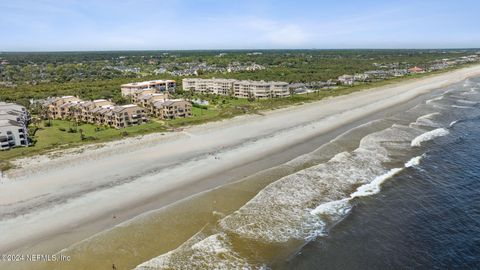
426	217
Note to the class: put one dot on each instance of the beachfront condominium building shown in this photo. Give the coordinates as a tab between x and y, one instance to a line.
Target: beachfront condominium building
146	99
260	89
126	115
160	105
14	119
209	86
58	107
135	89
98	112
171	109
114	116
82	111
241	89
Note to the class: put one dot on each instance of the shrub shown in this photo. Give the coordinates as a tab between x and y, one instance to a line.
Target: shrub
203	107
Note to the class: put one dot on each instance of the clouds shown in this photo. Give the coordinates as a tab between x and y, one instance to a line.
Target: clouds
246	24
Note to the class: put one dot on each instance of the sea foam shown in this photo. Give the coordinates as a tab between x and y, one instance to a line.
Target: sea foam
374	186
427	136
414	161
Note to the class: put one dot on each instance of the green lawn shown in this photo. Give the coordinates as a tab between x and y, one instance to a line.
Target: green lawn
198	116
57	136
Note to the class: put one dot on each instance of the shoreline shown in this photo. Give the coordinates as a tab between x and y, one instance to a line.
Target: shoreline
64	151
192	151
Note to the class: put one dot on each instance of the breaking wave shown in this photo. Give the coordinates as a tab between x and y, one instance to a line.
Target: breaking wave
427	136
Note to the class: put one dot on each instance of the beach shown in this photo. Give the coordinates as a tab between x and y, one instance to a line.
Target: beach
52	202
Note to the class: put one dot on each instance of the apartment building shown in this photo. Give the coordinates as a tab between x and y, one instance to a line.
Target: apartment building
146	99
14	120
98	112
241	89
158	104
59	107
171	109
132	89
20	112
82	111
260	89
126	115
209	86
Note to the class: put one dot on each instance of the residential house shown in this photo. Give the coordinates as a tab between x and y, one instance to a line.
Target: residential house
415	69
346	79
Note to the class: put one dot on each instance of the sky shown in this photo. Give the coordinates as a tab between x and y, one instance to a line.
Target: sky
72	25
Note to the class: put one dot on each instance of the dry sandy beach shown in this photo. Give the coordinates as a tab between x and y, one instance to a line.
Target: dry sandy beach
70	196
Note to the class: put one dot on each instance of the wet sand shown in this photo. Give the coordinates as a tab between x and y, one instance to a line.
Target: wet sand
52	204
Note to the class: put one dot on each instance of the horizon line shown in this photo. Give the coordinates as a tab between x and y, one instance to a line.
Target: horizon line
253	49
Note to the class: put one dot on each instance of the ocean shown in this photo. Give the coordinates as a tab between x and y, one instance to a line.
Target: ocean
425	217
398	192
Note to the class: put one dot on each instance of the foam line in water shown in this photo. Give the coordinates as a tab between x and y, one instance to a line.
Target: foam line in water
426	120
374	186
462	107
453	123
414	161
466	101
434	99
342	207
427	136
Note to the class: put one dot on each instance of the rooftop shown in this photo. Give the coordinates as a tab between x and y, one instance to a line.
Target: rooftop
147	83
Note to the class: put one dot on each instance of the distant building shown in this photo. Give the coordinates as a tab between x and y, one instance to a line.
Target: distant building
130	89
209	86
361	77
415	70
346	79
398	72
14	120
